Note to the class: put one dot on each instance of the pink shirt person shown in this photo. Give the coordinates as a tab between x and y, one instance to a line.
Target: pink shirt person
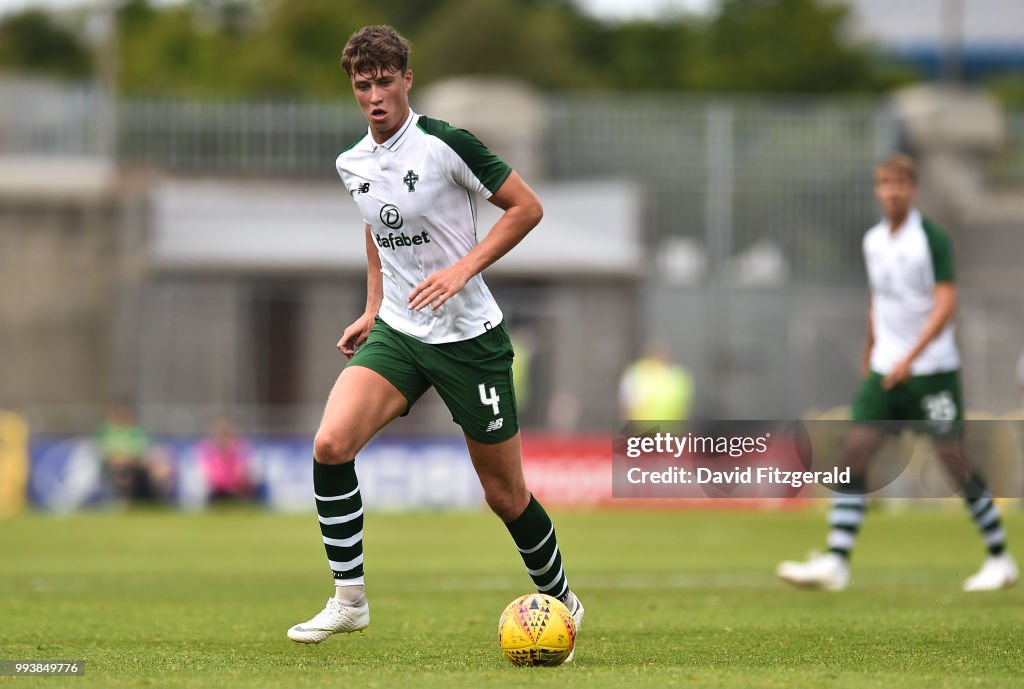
224	458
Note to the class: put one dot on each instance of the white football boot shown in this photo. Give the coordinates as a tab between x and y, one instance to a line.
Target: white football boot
998	572
335	618
576	610
828	572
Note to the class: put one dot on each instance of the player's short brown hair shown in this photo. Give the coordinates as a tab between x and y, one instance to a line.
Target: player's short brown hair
375	50
901	164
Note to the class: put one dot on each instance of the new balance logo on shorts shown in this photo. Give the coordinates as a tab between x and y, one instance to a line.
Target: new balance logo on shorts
495	425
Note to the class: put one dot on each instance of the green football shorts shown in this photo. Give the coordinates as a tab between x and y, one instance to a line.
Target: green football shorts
932	403
473	377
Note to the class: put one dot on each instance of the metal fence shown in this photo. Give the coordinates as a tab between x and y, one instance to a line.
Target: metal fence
50	118
785	178
736	189
217	138
788	180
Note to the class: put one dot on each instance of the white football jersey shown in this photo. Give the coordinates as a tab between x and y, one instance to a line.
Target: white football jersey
418	193
903	268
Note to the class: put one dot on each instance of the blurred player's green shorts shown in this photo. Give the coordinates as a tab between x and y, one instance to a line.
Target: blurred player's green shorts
473	377
931	404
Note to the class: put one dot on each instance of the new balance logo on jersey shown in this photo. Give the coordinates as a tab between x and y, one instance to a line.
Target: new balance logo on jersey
363	188
393	241
495	425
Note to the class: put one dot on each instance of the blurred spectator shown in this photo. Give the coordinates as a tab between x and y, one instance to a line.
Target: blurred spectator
129	466
225	459
655	388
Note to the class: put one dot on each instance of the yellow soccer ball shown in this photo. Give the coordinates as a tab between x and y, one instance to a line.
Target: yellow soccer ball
536	630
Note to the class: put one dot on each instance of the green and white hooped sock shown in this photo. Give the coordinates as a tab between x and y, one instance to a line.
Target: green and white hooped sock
983	511
845	517
339	507
534	535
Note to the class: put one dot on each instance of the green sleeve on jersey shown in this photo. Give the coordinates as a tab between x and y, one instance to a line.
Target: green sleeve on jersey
353	144
491	170
941	250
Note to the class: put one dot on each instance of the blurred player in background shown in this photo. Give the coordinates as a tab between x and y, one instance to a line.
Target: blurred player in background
911	374
429	321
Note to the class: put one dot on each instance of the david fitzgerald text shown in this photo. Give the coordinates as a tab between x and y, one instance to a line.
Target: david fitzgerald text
749	476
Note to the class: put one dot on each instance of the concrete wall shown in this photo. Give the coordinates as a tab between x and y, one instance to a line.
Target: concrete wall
70	267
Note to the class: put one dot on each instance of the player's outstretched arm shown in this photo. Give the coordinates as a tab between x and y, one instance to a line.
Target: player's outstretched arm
522	213
357	332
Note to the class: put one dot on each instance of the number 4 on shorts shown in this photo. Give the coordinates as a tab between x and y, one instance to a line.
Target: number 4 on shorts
489	397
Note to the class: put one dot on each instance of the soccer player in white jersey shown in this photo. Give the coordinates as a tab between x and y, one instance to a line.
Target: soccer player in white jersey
429	321
911	374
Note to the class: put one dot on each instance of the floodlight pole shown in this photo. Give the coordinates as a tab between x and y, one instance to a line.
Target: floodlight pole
106	77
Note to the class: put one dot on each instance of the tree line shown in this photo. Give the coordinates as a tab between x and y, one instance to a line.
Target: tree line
291	48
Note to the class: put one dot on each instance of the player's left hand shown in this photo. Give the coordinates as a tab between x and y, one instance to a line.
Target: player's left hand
899	375
439	287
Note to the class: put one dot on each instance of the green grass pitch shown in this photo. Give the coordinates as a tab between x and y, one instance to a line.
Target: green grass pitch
674	598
